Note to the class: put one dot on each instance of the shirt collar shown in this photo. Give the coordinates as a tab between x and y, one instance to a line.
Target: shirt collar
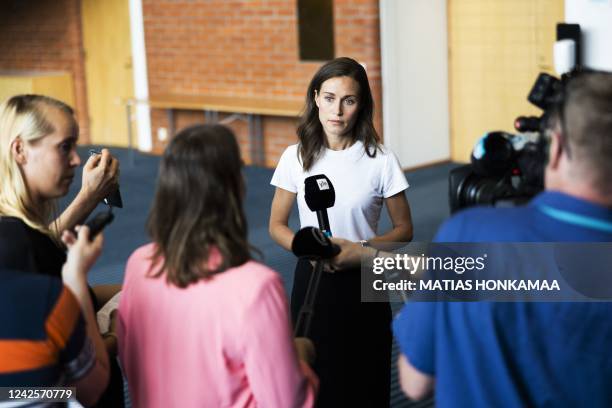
566	202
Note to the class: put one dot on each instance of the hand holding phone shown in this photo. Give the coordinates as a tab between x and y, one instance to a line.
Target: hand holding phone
98	223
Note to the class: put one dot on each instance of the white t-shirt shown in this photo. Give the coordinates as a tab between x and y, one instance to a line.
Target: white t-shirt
361	183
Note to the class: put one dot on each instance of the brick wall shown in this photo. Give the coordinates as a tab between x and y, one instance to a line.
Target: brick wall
220	47
247	48
45	35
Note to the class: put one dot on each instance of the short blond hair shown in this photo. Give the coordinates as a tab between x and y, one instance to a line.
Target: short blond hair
23	116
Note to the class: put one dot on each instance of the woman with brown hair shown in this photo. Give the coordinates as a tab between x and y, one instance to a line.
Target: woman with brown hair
200	322
337	138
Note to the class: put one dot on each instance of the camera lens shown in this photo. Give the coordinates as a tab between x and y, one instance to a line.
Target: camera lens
480	191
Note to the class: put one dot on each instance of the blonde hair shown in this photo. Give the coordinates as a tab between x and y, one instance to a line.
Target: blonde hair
23	116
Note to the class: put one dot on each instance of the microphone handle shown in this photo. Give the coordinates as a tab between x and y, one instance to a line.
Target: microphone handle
323	221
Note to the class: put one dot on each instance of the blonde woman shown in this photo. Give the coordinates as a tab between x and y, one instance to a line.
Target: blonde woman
38	159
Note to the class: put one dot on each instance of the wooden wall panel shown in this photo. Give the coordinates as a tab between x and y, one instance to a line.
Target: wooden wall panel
496	50
58	85
108	68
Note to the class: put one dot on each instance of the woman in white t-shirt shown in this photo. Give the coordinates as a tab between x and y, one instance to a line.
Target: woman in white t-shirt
337	138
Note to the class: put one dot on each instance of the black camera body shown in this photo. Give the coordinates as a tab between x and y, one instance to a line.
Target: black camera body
508	169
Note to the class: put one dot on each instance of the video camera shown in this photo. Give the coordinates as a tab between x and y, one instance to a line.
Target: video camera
508	169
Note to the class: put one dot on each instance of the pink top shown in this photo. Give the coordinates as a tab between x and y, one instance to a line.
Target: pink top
223	342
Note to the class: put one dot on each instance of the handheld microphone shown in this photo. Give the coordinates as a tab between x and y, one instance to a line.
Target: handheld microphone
320	195
311	243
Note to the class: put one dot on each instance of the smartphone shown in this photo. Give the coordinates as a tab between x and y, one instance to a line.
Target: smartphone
97	223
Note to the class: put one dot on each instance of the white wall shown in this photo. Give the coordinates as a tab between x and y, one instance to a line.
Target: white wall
414	51
141	83
595	19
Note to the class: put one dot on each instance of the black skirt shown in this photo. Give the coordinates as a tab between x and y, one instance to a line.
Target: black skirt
352	339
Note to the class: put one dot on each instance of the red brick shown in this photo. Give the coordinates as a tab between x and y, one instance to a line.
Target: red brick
217	47
46	36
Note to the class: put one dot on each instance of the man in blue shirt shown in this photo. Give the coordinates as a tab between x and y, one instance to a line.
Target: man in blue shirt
475	354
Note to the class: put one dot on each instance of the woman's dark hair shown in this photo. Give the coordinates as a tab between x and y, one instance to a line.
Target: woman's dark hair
198	206
310	131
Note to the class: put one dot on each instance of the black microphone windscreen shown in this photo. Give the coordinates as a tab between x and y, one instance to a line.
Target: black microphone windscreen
319	192
493	154
310	242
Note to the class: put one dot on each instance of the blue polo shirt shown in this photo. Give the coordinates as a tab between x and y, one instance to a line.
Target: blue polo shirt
486	354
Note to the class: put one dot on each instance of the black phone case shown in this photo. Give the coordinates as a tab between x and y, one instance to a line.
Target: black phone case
98	223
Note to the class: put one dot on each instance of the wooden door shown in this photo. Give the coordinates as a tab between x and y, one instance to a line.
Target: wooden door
496	50
108	68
